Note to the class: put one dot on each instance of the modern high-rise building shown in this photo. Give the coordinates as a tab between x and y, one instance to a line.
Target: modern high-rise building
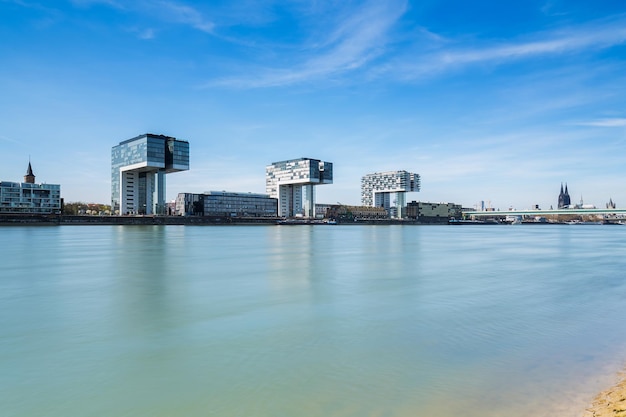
293	183
138	168
377	189
28	197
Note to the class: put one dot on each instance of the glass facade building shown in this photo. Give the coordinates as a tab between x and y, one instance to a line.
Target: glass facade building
28	197
16	197
377	189
227	204
432	212
292	182
138	168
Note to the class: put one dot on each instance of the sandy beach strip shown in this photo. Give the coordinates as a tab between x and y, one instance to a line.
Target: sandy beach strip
610	402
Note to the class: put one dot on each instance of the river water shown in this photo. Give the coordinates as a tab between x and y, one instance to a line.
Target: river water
333	321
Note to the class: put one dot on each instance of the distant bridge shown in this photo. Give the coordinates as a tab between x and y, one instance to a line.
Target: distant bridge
575	211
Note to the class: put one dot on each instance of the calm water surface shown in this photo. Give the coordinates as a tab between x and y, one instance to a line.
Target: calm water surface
271	321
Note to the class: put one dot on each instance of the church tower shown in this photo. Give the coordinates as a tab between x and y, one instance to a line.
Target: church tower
29	178
610	204
564	198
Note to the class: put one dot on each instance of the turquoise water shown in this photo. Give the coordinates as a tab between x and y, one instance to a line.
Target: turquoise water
309	320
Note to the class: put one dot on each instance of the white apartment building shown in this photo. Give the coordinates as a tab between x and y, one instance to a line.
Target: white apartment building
28	197
388	189
293	182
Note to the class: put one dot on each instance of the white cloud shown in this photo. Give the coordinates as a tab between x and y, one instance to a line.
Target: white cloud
349	46
183	14
85	3
164	10
6	139
596	35
146	34
611	122
360	40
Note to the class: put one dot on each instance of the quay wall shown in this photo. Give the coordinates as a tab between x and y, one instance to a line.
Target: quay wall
60	220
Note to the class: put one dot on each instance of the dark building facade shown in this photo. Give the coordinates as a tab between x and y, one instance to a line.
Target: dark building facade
564	199
432	212
226	204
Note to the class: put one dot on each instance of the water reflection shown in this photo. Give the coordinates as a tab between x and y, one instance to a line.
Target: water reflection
306	321
142	293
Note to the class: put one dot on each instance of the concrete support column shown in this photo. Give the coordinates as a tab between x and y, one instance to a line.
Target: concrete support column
401	204
128	192
309	200
158	193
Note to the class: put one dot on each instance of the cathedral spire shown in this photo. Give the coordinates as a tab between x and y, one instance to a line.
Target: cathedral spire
564	198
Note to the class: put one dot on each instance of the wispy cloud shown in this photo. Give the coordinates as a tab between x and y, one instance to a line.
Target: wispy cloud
348	46
18	2
549	9
596	35
362	43
26	4
35	6
180	13
610	122
164	10
146	34
6	139
111	3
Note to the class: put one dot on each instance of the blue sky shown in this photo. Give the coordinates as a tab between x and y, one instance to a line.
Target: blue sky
499	101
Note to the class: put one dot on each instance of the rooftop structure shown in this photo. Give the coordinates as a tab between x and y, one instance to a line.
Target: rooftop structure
28	197
378	188
138	168
292	182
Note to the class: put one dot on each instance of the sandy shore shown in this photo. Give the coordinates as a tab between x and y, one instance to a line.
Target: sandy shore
610	402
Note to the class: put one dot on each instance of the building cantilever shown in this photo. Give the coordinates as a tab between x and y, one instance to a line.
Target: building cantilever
138	168
292	183
377	188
